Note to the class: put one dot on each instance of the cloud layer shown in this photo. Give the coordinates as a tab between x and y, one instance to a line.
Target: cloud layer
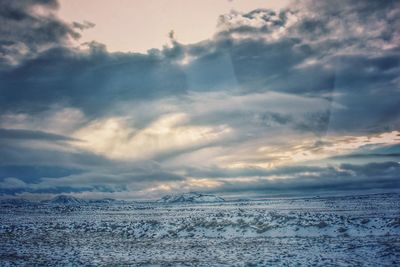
277	101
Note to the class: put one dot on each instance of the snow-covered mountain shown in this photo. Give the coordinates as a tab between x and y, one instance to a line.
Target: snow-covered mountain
70	200
66	200
105	201
191	197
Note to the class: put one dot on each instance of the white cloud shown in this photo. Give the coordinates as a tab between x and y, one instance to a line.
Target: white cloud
114	138
12	183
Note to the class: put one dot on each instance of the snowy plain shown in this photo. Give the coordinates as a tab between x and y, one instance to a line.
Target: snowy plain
358	230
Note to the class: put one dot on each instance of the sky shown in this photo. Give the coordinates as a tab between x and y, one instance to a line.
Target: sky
138	99
140	25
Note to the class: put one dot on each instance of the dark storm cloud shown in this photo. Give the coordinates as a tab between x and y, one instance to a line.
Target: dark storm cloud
367	152
94	81
311	57
19	154
24	31
137	179
269	66
371	155
372	176
40	69
32	173
51	158
28	134
24	169
334	51
361	81
88	181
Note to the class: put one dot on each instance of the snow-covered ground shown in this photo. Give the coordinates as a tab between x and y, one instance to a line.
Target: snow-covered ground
327	231
191	197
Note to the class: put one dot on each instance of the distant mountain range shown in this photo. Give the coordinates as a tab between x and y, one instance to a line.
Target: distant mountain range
16	201
60	200
70	200
191	197
67	200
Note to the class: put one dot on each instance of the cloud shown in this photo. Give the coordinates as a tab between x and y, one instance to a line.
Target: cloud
114	139
373	152
83	26
30	27
10	183
311	56
70	78
116	178
28	134
346	177
311	85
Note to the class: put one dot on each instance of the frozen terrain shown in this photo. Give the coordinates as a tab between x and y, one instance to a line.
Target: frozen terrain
359	230
191	197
